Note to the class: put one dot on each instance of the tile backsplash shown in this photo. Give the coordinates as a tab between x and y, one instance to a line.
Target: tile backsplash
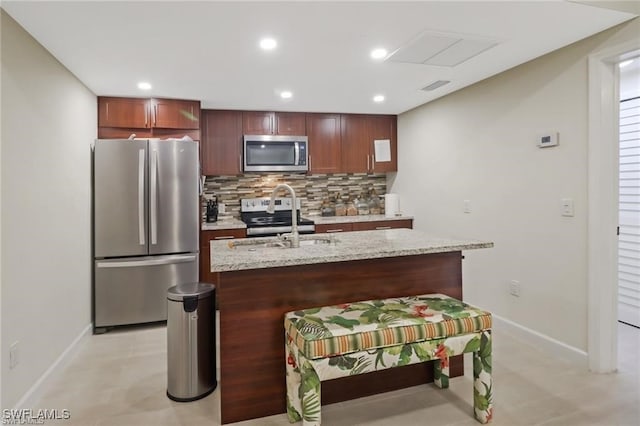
311	189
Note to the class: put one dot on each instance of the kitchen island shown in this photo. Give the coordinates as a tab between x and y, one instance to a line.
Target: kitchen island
258	282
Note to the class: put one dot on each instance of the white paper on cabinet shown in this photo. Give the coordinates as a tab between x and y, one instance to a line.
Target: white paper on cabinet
382	149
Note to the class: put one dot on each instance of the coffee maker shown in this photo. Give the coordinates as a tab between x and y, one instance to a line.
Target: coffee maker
212	210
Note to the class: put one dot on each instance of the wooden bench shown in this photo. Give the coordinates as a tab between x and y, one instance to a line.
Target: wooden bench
354	338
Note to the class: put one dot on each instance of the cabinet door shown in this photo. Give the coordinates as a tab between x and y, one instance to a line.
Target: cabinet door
131	113
205	249
290	123
323	131
383	224
257	123
175	114
333	228
383	127
221	142
355	143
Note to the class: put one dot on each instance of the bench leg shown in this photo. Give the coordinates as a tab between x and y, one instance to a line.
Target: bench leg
482	384
303	388
441	373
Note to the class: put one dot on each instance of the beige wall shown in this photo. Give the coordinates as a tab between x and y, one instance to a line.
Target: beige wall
479	144
48	124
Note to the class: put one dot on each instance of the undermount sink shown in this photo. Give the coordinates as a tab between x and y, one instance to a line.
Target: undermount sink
280	243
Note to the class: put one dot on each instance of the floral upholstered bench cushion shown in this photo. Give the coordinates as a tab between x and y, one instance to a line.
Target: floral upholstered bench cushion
351	327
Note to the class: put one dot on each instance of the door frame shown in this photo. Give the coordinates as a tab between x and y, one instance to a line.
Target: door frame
602	222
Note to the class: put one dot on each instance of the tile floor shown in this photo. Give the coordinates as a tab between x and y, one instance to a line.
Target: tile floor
119	378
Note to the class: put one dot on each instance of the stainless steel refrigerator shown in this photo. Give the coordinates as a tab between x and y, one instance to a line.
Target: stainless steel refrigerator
146	227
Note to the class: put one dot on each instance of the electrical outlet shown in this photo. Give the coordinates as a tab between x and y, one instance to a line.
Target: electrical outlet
222	208
13	355
514	288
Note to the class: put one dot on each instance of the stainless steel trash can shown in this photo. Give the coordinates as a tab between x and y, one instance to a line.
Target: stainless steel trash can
191	341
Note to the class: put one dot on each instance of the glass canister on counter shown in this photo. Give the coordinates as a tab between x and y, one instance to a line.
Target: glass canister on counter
374	203
351	208
362	203
328	207
341	207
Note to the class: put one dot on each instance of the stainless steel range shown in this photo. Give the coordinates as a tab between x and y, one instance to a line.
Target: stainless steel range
253	212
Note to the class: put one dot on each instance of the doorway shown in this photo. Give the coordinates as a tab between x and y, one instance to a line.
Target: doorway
629	192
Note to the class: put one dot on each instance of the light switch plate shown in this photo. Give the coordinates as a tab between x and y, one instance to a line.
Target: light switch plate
567	207
466	206
548	139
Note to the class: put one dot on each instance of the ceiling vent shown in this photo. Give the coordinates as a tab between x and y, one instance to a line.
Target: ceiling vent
435	85
440	49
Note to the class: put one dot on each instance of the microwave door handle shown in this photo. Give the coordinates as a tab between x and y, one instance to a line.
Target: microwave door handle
296	153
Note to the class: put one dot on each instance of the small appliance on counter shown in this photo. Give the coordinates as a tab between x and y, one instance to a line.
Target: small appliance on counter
212	210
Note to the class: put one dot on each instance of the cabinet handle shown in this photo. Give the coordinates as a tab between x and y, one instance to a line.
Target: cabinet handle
107	113
379	228
273	125
309	163
328	231
224	237
146	116
240	163
367	162
155	115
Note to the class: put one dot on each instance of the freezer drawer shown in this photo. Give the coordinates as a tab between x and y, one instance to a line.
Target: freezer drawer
134	290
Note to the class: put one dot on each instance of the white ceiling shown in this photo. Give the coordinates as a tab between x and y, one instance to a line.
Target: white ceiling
209	50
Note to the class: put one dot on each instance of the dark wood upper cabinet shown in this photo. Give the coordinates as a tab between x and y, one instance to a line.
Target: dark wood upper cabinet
290	123
384	127
323	131
359	133
257	123
175	114
273	123
355	143
147	118
123	113
221	143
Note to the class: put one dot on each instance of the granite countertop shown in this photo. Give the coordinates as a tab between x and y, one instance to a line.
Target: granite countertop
226	223
330	220
250	253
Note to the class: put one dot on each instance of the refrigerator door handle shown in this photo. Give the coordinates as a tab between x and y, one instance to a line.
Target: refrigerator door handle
141	227
169	260
154	196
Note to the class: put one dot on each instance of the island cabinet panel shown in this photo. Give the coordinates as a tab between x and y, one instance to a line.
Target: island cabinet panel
359	133
273	123
206	237
221	142
253	303
383	224
325	149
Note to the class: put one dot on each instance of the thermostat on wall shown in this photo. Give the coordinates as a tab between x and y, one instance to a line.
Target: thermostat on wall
548	139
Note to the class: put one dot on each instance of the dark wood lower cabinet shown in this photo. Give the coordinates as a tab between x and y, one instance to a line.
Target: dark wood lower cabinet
253	303
205	249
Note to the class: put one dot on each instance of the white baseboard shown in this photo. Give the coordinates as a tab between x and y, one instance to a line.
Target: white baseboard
542	342
34	393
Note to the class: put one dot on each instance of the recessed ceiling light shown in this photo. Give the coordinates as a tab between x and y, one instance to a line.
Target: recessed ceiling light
378	53
378	98
268	43
143	85
286	94
625	63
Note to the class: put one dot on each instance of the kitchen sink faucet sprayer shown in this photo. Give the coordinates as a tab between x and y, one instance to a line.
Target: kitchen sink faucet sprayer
294	237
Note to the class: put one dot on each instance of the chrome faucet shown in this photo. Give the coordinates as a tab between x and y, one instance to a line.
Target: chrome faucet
294	236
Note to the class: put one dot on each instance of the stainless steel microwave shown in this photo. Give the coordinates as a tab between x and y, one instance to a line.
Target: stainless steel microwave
271	153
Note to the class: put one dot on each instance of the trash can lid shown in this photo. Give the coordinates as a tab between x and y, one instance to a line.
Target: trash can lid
180	291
